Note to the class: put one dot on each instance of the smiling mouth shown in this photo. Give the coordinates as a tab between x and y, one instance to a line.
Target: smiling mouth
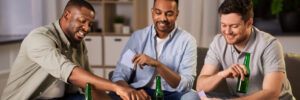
80	34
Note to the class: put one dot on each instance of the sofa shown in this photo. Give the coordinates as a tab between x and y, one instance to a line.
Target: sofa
292	61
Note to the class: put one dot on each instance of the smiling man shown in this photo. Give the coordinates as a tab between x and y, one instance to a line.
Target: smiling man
52	63
162	49
225	57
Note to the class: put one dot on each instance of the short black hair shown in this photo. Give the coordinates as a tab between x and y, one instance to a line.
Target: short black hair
242	7
79	3
170	0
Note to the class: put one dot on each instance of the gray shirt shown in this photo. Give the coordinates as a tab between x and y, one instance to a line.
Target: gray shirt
45	57
266	56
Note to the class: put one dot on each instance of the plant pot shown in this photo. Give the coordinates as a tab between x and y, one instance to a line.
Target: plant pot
290	21
118	28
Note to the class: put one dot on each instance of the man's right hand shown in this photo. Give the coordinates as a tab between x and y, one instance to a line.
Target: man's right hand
127	93
234	71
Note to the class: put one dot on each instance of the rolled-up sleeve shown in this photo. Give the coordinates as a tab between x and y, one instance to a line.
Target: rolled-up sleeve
42	50
188	65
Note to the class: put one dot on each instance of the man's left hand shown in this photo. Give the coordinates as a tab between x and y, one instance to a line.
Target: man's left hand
142	60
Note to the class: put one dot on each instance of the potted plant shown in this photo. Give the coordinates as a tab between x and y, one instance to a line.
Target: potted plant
118	24
289	14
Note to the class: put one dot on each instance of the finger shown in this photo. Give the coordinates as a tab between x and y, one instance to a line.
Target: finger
132	96
241	72
244	69
134	68
138	62
135	57
235	72
144	94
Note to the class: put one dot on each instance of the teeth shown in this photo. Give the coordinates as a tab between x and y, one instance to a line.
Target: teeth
80	33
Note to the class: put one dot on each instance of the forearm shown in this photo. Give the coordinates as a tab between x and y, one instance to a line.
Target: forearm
80	77
123	83
260	95
208	82
171	77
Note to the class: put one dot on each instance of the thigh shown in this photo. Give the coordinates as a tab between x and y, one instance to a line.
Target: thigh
73	97
114	96
192	95
174	95
219	95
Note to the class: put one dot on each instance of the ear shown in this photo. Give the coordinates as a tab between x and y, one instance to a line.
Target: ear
177	13
250	22
67	15
152	10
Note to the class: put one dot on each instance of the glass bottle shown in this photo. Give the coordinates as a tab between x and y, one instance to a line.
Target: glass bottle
158	95
242	86
88	93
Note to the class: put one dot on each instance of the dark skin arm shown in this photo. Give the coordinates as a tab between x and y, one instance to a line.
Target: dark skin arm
80	77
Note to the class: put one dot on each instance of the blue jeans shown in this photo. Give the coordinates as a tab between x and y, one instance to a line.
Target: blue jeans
193	95
76	96
150	92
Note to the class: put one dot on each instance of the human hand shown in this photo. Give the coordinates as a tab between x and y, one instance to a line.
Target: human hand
205	98
234	71
143	59
143	95
127	93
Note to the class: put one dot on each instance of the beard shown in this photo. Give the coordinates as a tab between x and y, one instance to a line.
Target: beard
166	28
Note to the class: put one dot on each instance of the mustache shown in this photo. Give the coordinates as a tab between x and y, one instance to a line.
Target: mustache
164	22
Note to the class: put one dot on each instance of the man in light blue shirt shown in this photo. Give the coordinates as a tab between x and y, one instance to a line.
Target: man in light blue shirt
162	49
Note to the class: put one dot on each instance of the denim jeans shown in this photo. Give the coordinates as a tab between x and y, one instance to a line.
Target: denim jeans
193	95
150	92
76	96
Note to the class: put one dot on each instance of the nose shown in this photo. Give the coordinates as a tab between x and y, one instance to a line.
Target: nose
228	30
164	17
86	27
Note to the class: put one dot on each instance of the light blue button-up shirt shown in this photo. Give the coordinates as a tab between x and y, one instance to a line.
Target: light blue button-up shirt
179	54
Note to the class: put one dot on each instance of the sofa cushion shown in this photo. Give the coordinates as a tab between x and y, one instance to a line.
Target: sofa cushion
292	62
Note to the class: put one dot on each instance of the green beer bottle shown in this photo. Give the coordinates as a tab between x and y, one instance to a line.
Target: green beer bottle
158	95
88	93
242	86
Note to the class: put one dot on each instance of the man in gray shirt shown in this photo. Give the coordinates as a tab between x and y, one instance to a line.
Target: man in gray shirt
224	60
52	62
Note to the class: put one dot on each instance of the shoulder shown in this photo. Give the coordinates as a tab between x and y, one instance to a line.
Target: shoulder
44	33
142	32
265	39
218	41
183	35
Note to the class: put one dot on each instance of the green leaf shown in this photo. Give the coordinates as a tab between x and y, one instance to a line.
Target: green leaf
276	6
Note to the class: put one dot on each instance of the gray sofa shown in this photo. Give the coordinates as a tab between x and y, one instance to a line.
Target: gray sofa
292	62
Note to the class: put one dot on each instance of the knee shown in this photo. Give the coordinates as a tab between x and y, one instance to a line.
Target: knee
190	96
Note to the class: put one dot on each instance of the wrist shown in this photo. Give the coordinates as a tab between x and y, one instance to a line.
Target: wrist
156	63
221	74
116	88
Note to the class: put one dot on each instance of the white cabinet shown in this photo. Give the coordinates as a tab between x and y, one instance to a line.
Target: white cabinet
94	46
114	46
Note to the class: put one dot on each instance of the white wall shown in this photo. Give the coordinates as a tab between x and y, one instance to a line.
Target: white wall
15	17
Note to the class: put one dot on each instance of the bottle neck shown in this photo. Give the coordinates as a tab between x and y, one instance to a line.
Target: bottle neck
158	83
246	62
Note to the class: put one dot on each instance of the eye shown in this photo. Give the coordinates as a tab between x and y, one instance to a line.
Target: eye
170	13
91	24
158	12
235	26
223	25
